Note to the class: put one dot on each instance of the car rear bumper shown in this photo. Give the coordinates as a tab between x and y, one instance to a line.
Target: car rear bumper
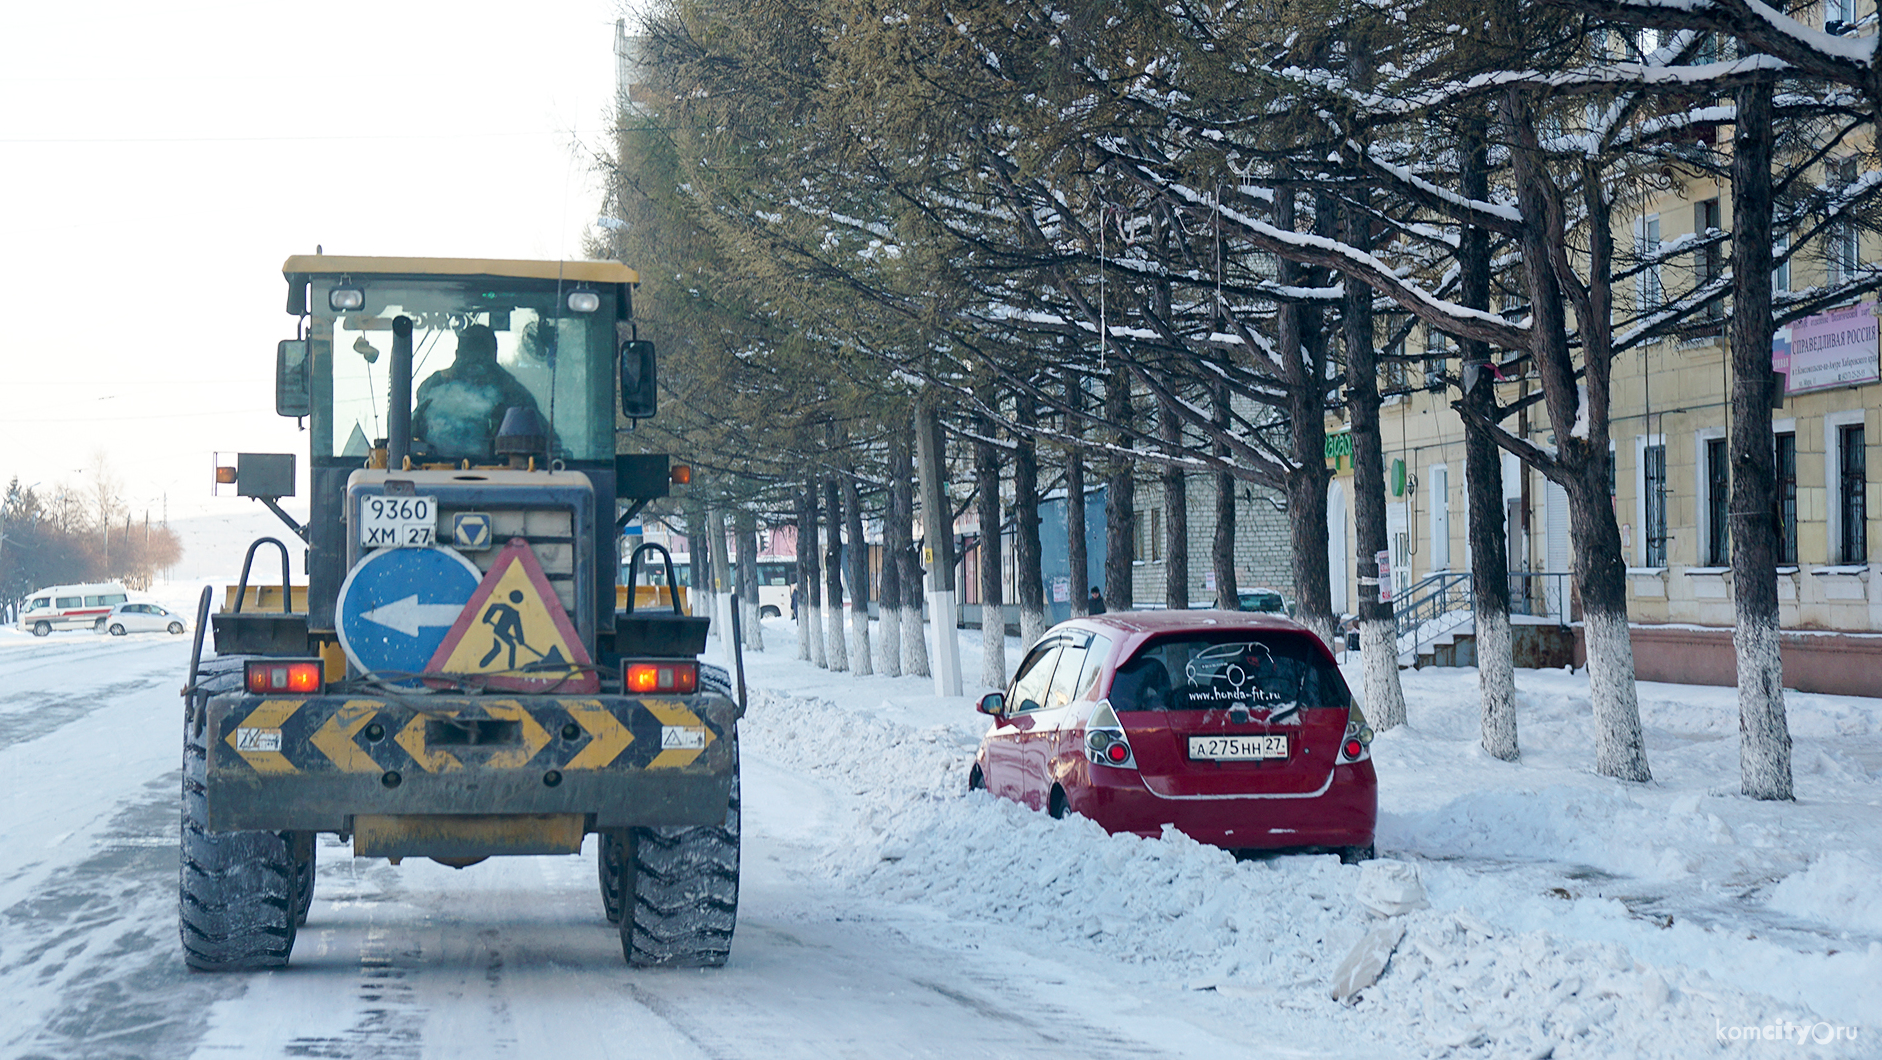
1344	814
316	763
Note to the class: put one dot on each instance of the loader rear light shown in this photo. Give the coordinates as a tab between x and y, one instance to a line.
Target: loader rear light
681	474
676	677
225	476
264	677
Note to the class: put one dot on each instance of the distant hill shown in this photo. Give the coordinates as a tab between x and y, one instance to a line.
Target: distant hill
213	544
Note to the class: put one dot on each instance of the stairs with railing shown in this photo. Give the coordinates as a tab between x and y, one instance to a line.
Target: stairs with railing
1432	613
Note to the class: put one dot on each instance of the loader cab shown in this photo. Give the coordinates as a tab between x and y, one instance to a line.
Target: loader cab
465	365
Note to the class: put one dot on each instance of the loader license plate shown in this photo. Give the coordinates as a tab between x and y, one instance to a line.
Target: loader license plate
1238	748
391	522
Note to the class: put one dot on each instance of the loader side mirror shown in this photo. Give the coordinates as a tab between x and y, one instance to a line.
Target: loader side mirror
640	396
292	393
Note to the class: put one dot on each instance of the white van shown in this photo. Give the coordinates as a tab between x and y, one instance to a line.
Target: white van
70	607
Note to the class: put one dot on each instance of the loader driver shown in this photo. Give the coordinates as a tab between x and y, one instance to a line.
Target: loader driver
460	408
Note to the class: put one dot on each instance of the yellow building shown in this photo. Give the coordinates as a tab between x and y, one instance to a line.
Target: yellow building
1670	425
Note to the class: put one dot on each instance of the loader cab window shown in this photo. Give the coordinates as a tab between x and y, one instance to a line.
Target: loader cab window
478	349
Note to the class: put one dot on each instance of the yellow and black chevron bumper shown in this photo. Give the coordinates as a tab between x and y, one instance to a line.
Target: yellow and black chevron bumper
316	763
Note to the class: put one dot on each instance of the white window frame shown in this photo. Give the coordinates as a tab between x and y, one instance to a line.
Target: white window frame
1702	496
1780	270
1641	443
1649	285
1833	479
1438	486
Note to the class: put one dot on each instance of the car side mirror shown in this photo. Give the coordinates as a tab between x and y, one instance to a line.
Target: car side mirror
993	703
640	392
292	391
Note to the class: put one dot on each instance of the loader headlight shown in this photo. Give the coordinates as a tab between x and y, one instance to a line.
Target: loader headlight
348	297
583	301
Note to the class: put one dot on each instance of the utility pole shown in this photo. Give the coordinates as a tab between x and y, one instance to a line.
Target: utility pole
938	554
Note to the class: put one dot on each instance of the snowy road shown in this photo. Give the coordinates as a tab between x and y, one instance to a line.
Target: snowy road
883	914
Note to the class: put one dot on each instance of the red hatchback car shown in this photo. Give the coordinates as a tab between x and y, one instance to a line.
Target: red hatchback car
1235	727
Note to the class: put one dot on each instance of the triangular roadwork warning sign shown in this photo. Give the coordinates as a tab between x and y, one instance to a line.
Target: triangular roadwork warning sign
513	623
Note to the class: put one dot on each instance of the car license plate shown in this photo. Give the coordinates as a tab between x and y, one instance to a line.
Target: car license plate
1238	748
390	522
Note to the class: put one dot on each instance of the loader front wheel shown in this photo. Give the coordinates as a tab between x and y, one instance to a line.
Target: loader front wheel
684	888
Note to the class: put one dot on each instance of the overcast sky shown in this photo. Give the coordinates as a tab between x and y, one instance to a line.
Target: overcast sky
158	162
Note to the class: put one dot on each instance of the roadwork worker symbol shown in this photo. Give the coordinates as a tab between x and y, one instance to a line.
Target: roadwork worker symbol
515	630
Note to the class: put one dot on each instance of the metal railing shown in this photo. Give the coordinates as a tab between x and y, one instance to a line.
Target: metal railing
1431	607
1543	594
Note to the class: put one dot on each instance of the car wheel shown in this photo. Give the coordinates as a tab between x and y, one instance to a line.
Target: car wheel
1355	855
176	627
976	781
1055	803
117	629
100	624
768	611
42	629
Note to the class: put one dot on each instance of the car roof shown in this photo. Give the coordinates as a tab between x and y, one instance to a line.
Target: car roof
1130	629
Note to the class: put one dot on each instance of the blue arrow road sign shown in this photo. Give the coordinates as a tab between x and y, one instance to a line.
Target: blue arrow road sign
397	604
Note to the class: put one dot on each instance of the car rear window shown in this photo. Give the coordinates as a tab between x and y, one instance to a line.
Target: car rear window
1220	671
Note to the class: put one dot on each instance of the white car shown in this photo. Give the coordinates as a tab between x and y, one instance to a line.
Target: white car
141	618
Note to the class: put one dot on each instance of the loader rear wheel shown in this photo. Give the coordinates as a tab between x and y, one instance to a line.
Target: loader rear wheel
301	846
239	895
684	883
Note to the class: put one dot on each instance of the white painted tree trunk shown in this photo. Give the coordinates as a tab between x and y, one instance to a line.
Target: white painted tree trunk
836	649
813	633
891	623
803	631
1378	654
862	660
1764	753
1496	672
1620	749
1322	626
914	643
1032	626
993	646
754	627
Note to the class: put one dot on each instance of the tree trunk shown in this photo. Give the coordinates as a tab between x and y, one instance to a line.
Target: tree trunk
1228	596
907	558
1483	480
862	659
1764	748
699	553
895	535
1175	514
721	582
745	525
987	502
834	647
1378	629
937	521
1302	342
806	587
1581	461
1077	558
1029	587
1120	500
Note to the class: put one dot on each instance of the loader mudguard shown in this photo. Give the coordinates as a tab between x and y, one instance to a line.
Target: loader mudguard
287	763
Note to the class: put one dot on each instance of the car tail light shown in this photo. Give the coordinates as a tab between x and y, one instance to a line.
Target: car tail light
1354	745
266	677
679	677
1105	742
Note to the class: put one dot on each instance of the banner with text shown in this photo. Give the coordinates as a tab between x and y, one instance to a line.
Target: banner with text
1832	349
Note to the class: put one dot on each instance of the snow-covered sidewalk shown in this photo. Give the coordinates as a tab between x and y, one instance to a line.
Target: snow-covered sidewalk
1570	914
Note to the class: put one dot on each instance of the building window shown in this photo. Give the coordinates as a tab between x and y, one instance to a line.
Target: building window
1781	270
1653	486
1437	353
1839	16
1843	253
1647	246
1852	494
1709	260
1787	499
1147	535
1718	497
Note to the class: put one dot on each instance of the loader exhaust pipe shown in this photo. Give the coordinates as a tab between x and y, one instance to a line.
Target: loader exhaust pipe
399	404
